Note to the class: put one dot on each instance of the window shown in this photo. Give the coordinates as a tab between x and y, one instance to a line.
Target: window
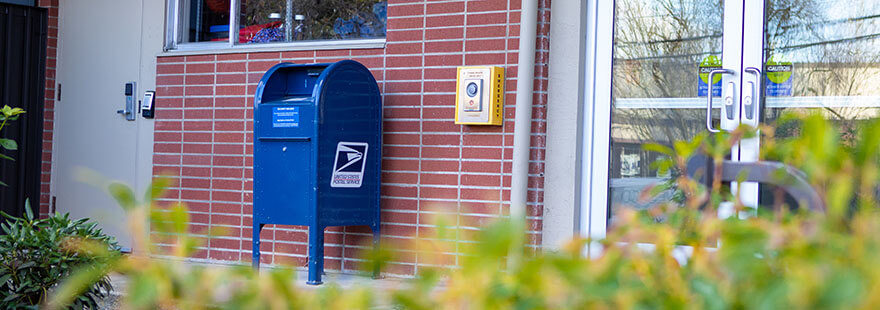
231	23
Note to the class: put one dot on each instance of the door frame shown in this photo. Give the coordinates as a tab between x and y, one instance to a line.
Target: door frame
565	117
150	46
597	128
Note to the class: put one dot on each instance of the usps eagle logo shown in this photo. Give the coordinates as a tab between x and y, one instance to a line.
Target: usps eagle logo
348	168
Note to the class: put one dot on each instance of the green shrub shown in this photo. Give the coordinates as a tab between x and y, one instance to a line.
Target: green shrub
7	114
772	260
36	254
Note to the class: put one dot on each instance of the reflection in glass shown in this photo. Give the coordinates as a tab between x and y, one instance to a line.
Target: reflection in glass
206	20
833	49
658	48
266	21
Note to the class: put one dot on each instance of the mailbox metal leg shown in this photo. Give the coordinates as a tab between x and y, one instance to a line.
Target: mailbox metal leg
376	238
255	247
316	254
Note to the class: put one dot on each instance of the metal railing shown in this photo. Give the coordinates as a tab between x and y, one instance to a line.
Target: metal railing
790	179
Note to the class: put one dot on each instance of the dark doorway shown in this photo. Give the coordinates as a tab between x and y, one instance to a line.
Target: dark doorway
23	33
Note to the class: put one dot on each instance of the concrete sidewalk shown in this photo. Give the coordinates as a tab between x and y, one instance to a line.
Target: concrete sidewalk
343	280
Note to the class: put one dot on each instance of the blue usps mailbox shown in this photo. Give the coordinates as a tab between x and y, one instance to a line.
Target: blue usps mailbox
317	152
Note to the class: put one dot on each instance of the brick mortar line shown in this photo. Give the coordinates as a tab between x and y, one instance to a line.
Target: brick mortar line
244	179
476	159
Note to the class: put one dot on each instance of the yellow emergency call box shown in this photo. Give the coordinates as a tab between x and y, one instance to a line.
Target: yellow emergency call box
479	95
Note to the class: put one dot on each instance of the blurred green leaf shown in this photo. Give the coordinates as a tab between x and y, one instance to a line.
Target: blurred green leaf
659	148
123	194
157	188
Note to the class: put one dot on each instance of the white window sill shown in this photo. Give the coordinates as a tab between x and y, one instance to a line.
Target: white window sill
224	48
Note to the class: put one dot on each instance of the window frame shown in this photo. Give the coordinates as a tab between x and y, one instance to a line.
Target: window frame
174	31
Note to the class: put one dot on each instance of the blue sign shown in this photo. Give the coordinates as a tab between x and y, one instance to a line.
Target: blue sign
706	66
779	79
20	2
285	117
703	87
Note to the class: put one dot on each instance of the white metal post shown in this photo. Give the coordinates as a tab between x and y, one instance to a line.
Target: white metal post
234	21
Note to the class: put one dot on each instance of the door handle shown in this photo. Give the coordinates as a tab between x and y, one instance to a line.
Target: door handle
750	103
129	111
709	97
728	101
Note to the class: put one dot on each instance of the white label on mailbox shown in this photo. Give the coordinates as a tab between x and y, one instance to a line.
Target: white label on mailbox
348	168
285	117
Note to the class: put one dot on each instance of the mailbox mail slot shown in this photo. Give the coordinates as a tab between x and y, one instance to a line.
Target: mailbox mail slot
317	152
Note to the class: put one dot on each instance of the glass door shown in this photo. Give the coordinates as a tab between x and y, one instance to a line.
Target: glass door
821	56
816	56
681	67
676	72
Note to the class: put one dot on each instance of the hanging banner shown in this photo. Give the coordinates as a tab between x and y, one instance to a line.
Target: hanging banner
707	65
779	77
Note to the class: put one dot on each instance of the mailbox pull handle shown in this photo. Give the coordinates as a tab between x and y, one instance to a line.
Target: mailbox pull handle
283	139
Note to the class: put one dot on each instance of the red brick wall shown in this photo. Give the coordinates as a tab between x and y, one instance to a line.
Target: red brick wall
431	166
49	105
